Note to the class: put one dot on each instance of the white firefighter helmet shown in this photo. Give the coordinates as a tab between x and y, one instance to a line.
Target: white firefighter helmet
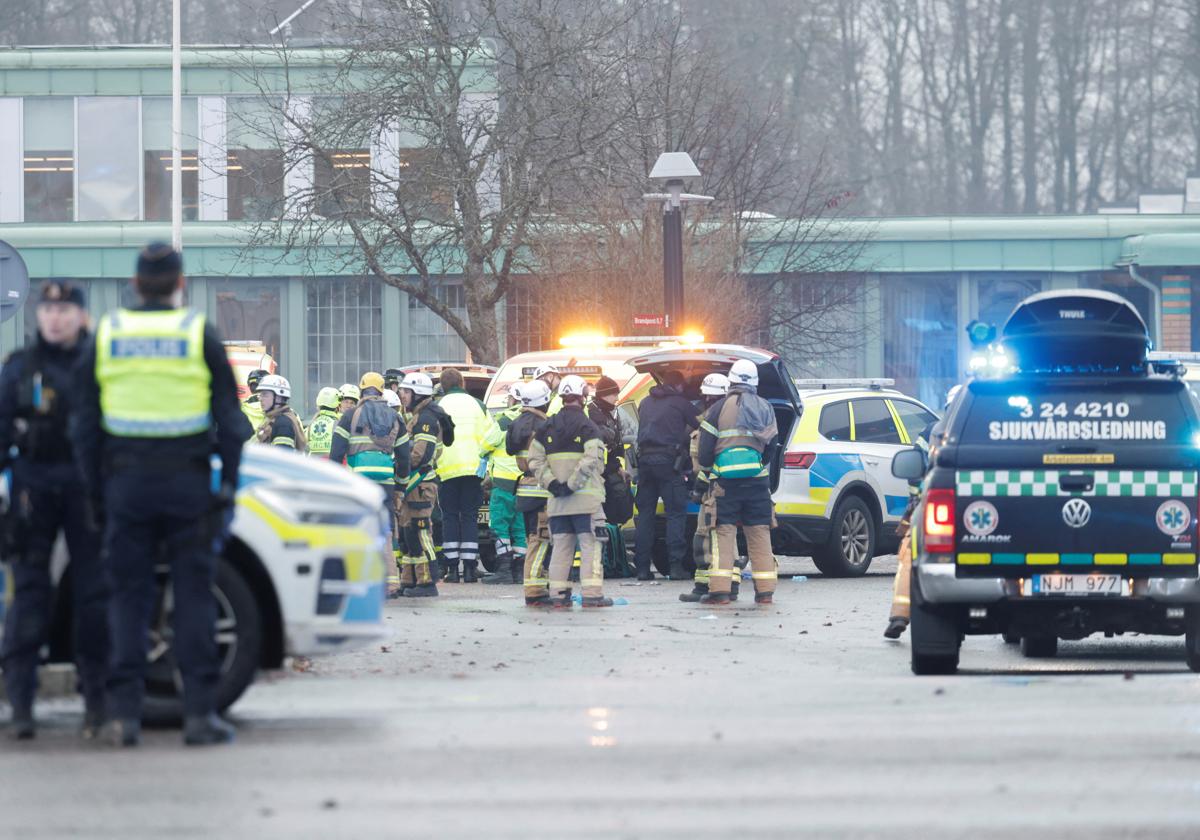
572	386
417	382
276	384
534	394
391	398
542	370
744	372
715	385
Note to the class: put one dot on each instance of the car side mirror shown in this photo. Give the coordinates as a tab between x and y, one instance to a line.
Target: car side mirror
910	464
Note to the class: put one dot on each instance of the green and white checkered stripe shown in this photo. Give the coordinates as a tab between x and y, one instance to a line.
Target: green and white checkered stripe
1133	483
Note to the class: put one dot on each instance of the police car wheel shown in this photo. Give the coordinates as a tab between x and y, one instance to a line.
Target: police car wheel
1011	638
1192	637
934	637
852	540
1039	647
239	648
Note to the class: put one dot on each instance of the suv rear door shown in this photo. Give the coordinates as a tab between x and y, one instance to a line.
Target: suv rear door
1075	475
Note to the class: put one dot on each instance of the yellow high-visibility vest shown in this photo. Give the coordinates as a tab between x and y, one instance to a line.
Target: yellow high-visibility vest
154	382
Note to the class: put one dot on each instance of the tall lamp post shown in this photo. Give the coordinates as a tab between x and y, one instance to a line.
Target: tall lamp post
672	168
176	129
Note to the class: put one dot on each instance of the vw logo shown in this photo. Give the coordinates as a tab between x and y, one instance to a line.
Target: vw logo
1076	513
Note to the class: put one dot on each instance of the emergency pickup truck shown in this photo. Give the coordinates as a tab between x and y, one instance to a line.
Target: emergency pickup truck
1062	496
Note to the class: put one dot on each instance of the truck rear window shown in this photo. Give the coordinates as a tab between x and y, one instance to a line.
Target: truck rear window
1047	413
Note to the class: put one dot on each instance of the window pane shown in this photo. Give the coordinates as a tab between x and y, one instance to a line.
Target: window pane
349	342
342	182
255	183
835	421
109	158
156	158
49	159
920	342
916	420
432	339
873	422
249	311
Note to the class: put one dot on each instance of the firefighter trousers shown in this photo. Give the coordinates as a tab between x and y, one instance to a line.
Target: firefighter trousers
566	532
416	523
900	586
537	551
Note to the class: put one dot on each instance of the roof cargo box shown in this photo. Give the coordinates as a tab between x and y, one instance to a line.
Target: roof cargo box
1077	329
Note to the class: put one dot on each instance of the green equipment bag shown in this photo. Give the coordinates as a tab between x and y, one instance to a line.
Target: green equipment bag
614	556
738	462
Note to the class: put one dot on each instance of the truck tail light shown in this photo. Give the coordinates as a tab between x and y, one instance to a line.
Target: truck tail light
939	521
798	460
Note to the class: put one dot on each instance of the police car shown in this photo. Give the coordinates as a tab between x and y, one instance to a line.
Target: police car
1062	497
835	496
302	575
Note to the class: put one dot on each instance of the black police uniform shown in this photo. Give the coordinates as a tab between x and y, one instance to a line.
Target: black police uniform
48	496
158	496
665	421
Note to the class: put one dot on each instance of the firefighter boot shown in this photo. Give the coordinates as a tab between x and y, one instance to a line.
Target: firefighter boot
470	571
698	592
596	601
561	600
422	590
503	572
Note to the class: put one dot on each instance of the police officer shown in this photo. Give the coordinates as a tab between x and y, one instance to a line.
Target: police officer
531	498
567	456
320	430
281	426
431	428
713	388
46	496
506	524
391	379
372	440
737	441
665	420
459	470
348	397
156	393
252	405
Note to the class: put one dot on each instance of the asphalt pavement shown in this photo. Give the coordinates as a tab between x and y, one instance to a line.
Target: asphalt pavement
656	718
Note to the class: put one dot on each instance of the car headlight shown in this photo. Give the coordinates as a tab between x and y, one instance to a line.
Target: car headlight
313	508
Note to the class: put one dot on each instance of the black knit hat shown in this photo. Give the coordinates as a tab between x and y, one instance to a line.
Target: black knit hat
157	259
62	291
607	386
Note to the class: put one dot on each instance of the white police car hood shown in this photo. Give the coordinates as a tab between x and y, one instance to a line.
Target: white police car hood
283	468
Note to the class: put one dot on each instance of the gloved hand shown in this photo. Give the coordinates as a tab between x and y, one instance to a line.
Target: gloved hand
481	470
558	489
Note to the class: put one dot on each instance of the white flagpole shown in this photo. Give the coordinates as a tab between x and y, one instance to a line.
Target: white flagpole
176	130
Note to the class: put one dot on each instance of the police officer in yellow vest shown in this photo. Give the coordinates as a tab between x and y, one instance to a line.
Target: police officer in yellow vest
460	470
506	524
156	396
320	430
738	437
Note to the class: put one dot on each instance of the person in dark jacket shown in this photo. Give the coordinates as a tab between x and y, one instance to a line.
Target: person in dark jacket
665	422
47	496
157	397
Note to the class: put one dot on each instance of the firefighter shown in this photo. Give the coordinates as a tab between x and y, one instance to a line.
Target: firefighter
431	429
252	406
281	426
531	498
567	456
551	376
372	440
714	387
506	524
348	397
737	440
320	430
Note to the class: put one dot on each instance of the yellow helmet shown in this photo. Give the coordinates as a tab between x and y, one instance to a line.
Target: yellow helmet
371	379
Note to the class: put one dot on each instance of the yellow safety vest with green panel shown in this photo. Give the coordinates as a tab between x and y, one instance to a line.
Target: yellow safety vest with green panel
320	433
154	382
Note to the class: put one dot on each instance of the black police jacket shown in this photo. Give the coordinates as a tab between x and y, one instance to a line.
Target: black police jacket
665	422
36	386
610	435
